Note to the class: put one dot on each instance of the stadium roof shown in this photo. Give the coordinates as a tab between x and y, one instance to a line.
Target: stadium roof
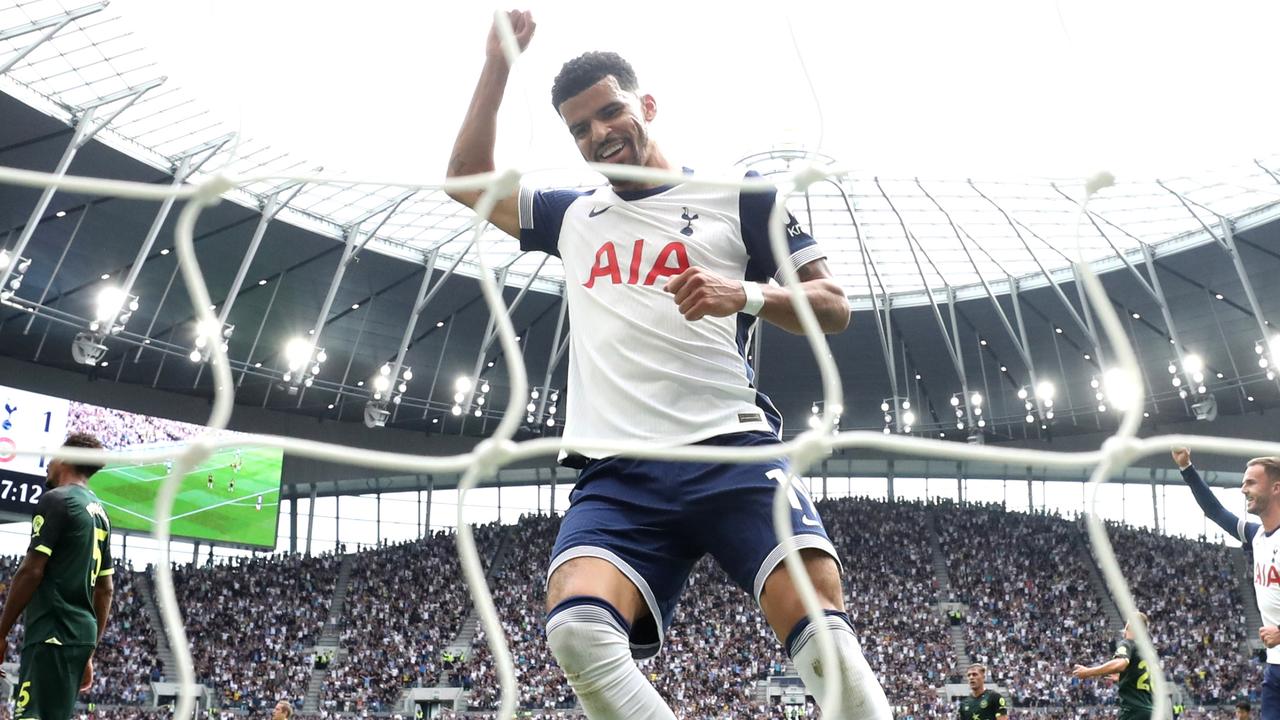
892	236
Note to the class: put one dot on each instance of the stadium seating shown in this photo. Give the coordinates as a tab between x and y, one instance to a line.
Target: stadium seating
1032	613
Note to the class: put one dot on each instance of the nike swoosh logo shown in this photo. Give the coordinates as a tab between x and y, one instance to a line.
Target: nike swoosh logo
601	211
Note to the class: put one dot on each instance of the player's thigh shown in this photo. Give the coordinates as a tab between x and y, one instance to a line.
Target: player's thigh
780	601
595	577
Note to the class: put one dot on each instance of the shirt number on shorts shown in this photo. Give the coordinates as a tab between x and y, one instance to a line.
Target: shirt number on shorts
799	501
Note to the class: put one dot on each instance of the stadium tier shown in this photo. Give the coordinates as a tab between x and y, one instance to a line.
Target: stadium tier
264	629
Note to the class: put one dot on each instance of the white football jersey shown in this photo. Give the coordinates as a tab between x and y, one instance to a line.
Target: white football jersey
1266	576
638	370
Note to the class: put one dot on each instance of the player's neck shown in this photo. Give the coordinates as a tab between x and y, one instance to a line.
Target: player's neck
977	692
1270	519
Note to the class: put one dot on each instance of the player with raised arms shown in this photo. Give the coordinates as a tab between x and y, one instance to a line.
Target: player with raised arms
63	591
1261	488
1135	681
663	283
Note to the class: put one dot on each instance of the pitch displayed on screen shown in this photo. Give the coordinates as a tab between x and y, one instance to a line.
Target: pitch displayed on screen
232	497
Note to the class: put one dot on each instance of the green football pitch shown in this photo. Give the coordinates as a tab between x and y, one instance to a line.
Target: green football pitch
239	507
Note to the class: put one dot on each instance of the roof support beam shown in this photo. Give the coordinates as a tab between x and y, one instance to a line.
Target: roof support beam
951	340
51	25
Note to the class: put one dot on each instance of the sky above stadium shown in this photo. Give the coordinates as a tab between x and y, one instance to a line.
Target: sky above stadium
1012	88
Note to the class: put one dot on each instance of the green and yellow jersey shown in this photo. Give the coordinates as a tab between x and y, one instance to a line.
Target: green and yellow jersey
71	527
1135	682
987	706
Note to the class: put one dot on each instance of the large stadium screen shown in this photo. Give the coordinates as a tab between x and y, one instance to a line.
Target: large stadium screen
232	497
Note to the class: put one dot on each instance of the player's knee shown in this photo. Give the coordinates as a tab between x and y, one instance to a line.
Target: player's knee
588	638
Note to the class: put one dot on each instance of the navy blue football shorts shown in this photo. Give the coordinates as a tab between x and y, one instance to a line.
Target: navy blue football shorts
654	519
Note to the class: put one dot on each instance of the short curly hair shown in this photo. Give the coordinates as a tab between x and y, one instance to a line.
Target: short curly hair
87	441
588	69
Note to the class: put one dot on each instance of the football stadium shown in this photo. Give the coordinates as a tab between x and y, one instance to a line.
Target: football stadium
794	361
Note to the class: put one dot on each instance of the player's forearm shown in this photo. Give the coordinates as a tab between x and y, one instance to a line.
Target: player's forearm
1209	503
102	593
826	297
21	590
473	148
1108	668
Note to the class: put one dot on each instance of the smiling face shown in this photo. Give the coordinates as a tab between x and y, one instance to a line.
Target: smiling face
1259	490
610	124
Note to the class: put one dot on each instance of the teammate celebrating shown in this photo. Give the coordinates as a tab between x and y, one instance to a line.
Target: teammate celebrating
1135	683
1261	488
982	704
64	586
663	284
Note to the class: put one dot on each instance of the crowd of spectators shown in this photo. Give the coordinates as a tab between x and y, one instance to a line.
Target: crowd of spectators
519	595
1189	590
119	429
1032	611
252	623
125	663
403	605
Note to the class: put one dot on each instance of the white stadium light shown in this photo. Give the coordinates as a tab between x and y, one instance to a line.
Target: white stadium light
462	384
975	399
110	301
381	383
297	352
908	418
1192	363
1045	390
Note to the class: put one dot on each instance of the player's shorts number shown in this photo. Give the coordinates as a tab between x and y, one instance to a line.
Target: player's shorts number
24	697
799	501
1144	680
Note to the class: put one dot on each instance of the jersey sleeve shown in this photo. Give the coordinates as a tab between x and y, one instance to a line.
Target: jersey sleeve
754	208
48	524
1125	650
541	215
1002	706
1237	527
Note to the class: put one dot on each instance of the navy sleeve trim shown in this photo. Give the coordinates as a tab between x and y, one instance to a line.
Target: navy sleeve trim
541	217
754	208
1212	508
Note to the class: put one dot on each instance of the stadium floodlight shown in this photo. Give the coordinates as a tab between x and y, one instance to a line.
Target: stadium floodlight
113	308
16	276
1045	391
297	352
462	384
1192	363
206	331
897	414
303	360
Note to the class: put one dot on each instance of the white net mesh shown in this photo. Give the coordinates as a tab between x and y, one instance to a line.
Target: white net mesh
499	450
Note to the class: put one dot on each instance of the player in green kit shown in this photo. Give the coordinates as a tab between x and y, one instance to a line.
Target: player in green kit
981	704
1135	681
64	586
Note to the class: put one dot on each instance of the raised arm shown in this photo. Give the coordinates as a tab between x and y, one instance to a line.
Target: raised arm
473	148
1208	502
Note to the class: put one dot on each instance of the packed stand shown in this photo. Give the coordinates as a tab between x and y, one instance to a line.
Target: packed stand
125	663
891	595
519	596
252	622
403	605
1032	612
1189	591
119	429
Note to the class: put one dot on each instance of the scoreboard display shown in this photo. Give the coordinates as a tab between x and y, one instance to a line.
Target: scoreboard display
230	498
27	420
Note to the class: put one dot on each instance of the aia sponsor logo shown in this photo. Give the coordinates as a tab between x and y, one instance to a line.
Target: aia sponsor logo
1266	576
671	260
